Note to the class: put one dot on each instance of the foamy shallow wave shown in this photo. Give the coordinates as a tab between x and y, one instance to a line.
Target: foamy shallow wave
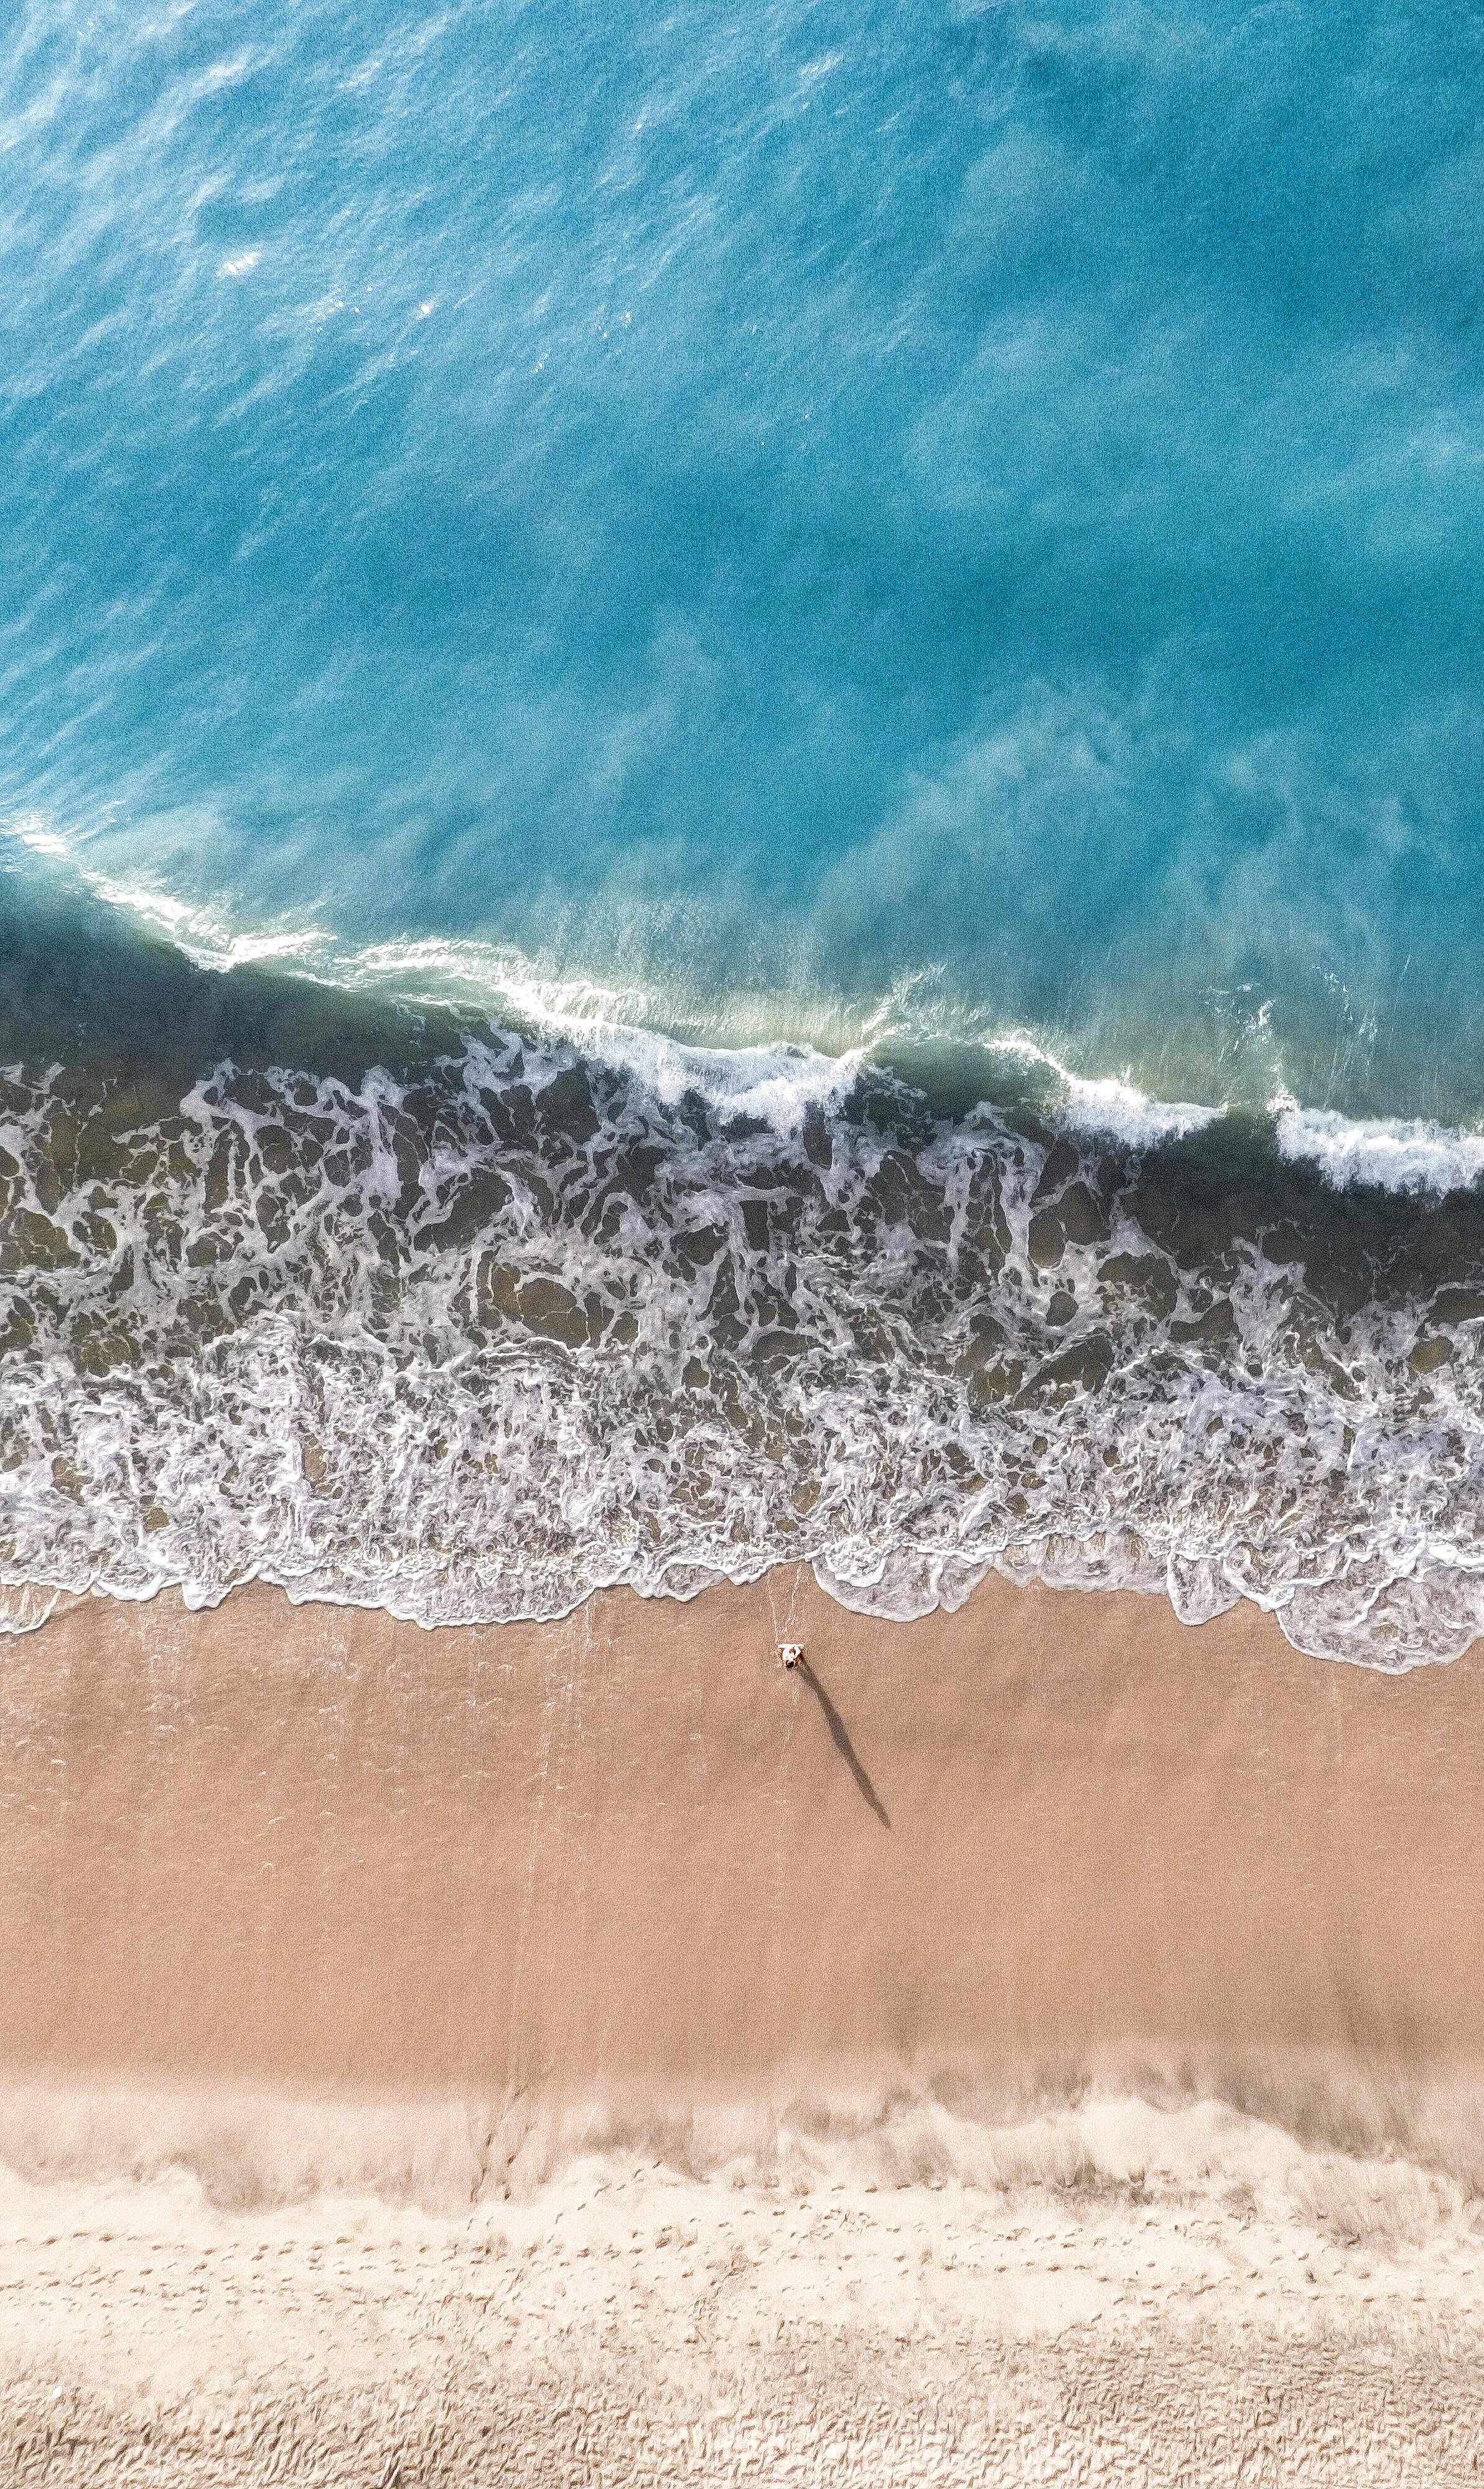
1398	1156
535	1316
566	1300
1124	1112
776	1078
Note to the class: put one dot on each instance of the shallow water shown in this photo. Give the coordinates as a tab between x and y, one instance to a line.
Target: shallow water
467	1320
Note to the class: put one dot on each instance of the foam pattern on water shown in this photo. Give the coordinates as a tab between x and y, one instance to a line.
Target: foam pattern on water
472	1343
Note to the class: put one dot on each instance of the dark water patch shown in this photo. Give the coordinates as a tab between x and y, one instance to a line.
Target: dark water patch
114	1003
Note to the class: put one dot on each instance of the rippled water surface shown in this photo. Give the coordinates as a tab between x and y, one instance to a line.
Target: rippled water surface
740	802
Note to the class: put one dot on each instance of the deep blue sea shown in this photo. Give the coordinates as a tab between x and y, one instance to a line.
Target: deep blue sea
741	803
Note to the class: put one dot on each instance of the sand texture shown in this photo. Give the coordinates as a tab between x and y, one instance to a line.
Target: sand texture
1039	2043
1235	2310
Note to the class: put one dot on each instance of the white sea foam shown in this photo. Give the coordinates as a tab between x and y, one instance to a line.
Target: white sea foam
590	1304
1110	1105
1401	1156
1125	1114
775	1085
473	1343
775	1082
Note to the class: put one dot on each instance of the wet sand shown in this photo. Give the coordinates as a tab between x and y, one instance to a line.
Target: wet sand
1067	1951
317	1847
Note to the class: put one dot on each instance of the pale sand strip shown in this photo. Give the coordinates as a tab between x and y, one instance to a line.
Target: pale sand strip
640	2327
606	1988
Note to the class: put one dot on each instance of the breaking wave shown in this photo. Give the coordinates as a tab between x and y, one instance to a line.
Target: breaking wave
525	1313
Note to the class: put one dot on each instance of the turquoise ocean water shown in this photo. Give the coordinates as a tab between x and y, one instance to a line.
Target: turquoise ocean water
741	791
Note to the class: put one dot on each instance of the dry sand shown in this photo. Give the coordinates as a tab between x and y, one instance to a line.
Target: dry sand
1039	2043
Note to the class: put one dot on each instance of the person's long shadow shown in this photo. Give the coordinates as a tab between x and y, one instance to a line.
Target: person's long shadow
842	1736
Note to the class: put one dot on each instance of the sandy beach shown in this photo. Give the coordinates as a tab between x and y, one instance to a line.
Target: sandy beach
427	2035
